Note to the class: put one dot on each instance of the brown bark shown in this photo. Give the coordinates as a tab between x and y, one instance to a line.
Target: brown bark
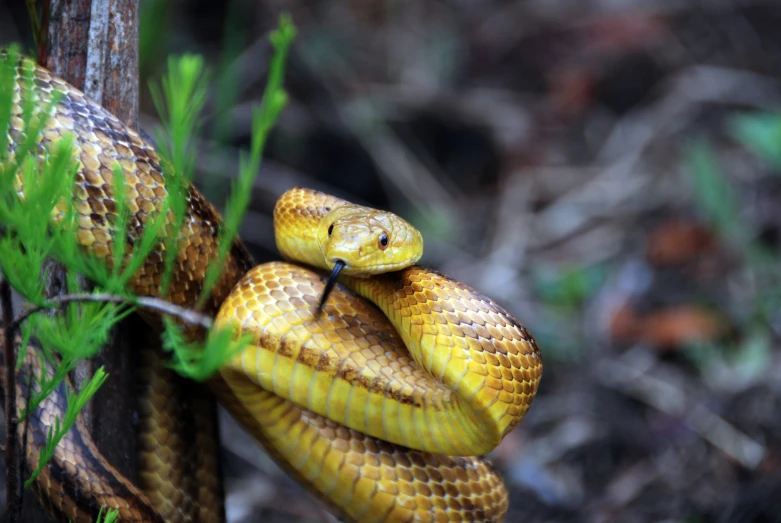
93	44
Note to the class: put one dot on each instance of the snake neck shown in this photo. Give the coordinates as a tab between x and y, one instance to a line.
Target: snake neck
297	215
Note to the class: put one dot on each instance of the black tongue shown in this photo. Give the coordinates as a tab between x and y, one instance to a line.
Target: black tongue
338	266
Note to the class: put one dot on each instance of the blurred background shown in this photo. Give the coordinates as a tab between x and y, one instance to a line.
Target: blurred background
608	171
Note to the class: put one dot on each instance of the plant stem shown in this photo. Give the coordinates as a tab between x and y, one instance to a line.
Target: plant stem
156	304
12	478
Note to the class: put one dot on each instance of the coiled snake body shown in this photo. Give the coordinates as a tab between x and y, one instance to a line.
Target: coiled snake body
368	409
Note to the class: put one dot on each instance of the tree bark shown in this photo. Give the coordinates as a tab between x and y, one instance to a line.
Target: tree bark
93	44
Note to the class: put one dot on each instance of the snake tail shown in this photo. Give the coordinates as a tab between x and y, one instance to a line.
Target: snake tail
78	481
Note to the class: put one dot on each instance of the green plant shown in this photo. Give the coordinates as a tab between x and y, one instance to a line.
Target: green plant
109	516
761	133
716	198
564	292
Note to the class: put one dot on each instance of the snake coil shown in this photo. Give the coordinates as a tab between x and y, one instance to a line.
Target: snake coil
377	409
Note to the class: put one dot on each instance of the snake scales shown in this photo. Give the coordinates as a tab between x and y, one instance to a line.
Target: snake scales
335	397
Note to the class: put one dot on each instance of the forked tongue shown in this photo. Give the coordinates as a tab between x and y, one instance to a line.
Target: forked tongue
338	266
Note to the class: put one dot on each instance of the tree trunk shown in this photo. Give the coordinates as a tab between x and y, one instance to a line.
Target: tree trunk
93	44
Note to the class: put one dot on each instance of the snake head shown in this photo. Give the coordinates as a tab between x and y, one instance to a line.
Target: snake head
367	241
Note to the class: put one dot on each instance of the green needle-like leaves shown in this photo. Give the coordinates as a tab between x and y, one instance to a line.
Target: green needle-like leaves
76	402
179	103
264	118
199	361
107	515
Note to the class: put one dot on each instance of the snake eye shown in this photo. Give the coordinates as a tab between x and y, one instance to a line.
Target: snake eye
383	241
330	229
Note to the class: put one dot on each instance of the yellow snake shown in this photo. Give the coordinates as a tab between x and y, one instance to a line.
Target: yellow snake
368	406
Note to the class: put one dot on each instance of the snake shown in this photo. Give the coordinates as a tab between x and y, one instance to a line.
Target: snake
376	383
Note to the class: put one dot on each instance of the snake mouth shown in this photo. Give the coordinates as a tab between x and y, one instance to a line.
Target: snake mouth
338	266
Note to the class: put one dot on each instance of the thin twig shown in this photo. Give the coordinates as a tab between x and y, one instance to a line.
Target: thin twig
156	304
12	477
637	379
